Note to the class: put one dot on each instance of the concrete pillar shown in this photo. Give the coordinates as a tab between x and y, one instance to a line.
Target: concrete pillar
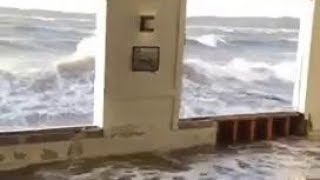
310	73
140	100
99	89
145	103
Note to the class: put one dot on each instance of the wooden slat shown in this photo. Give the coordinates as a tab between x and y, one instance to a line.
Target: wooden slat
252	130
287	126
269	128
235	131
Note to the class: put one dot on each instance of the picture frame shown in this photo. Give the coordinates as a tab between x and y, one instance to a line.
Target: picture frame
145	58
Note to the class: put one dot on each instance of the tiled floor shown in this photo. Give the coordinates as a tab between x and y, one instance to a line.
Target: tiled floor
293	158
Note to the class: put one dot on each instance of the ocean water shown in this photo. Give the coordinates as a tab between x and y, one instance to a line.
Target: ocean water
231	65
46	69
236	65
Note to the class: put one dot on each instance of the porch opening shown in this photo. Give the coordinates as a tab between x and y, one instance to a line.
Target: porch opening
49	54
240	57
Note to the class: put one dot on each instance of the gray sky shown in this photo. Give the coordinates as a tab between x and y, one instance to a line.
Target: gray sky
273	8
195	7
86	6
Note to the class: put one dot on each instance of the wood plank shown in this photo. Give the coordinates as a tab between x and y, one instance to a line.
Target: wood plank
252	130
287	126
235	131
269	128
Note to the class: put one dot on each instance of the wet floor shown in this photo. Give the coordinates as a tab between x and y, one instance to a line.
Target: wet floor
286	159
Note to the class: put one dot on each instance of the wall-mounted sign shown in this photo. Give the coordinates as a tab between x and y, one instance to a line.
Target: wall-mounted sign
147	23
145	58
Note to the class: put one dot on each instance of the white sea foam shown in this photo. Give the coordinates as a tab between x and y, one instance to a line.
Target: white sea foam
49	95
87	47
83	60
286	71
221	28
76	66
42	18
244	29
210	40
245	70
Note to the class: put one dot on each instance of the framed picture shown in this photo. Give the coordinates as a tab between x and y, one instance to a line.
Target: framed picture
145	58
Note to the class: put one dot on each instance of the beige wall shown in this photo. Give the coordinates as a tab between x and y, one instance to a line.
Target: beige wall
140	108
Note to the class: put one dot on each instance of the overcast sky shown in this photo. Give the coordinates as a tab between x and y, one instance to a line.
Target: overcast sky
86	6
195	7
274	8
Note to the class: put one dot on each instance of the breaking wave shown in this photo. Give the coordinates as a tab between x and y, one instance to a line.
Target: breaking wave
82	61
245	70
209	40
231	29
238	86
212	40
46	98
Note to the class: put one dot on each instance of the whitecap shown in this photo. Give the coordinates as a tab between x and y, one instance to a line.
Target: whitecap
245	70
76	66
211	40
42	18
83	60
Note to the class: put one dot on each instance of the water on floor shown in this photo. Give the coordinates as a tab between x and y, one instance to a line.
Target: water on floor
290	159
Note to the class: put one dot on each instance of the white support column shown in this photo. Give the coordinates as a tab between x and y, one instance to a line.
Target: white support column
99	84
310	82
303	56
140	101
182	13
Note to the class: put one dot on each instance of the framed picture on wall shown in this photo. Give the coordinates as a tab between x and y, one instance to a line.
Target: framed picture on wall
145	58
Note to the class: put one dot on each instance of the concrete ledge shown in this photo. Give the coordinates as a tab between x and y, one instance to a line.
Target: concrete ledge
205	122
25	154
244	116
314	135
48	135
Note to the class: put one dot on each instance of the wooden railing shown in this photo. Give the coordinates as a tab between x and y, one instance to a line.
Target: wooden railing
250	127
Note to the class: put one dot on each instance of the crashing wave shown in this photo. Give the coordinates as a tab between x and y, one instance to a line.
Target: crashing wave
42	18
76	66
230	29
210	40
239	68
81	62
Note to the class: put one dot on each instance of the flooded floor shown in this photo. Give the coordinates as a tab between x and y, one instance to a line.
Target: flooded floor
285	159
